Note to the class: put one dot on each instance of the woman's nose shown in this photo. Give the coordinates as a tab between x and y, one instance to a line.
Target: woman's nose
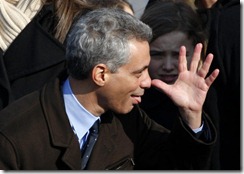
167	63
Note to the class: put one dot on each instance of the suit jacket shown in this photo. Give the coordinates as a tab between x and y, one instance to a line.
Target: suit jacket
35	133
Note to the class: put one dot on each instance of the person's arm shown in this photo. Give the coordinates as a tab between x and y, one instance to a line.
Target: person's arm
178	149
190	89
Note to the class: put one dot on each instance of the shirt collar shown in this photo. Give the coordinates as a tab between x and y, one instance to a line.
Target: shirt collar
80	119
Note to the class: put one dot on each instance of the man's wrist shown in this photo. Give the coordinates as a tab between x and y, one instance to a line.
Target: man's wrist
198	129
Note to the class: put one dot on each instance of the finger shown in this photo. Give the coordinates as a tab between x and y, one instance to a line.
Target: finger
182	65
161	85
210	79
196	57
206	65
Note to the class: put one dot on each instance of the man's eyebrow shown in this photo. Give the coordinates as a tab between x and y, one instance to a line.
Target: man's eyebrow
140	70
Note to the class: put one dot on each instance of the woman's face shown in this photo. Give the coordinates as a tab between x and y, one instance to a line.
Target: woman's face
164	52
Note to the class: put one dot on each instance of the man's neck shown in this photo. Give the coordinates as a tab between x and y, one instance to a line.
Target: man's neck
86	96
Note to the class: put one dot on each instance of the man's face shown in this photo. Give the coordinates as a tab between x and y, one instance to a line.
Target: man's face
164	53
125	87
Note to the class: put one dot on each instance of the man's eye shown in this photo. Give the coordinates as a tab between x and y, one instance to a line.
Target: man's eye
138	75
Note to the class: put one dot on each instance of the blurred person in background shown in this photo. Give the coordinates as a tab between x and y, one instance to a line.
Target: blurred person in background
174	23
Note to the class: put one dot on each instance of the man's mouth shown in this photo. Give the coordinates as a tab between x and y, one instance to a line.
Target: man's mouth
136	99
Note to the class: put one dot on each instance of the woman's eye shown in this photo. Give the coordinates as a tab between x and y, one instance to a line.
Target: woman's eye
155	53
175	54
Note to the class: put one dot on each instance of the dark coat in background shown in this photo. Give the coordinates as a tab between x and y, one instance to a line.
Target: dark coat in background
224	43
32	59
39	136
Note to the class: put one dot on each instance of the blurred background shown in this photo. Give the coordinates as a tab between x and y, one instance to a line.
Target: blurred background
139	6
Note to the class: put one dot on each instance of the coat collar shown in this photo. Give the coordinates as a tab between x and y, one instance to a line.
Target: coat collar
61	133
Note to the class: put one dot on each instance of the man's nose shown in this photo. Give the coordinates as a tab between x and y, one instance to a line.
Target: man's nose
146	81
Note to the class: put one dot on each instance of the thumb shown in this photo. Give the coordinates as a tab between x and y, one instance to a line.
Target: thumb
162	86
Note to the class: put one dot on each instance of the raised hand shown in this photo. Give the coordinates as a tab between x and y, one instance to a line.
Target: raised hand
190	89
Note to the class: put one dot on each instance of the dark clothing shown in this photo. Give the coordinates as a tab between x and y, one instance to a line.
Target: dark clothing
5	98
32	59
160	108
39	136
224	43
222	22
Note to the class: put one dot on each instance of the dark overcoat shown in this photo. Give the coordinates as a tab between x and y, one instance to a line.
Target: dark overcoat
34	57
35	133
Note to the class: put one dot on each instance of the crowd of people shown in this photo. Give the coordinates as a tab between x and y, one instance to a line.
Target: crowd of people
164	88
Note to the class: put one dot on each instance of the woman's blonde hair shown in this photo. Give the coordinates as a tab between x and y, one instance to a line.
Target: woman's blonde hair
67	10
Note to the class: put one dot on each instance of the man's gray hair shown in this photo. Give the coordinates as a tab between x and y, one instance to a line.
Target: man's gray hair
102	36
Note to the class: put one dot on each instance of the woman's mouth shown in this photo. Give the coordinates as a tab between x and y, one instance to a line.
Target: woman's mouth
169	79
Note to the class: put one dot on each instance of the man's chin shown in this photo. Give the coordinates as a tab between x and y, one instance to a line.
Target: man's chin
125	110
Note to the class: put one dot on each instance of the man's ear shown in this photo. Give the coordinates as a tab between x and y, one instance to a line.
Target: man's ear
100	74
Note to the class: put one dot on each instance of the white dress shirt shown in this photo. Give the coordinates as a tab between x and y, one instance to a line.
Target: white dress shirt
80	119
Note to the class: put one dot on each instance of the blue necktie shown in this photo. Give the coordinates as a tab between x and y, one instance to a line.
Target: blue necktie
91	140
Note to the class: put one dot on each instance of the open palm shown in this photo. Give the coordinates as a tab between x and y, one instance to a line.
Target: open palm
190	89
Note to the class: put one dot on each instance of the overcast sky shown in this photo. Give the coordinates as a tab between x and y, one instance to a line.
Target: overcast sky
138	6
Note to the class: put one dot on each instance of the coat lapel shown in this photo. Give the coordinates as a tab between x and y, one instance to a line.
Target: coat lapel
105	146
60	130
72	156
